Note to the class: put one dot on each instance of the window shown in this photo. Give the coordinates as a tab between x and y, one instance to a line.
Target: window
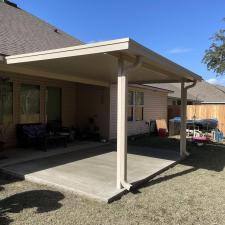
53	104
30	103
139	106
130	106
174	102
135	106
6	98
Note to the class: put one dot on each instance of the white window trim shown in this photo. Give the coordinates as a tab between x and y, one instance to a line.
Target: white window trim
134	105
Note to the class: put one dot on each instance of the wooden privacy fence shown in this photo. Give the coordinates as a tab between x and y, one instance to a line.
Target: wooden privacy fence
204	111
208	111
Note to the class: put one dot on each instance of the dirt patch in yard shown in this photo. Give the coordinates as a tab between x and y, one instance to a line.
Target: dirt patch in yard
190	193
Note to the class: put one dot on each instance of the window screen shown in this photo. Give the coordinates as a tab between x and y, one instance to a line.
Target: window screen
30	103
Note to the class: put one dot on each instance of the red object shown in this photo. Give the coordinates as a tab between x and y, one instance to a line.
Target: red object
162	132
201	139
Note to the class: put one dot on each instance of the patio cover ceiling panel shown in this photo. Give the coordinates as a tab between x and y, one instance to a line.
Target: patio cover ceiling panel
99	62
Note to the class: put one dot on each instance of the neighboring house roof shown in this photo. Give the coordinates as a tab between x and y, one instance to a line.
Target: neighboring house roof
21	32
207	92
222	88
175	90
203	92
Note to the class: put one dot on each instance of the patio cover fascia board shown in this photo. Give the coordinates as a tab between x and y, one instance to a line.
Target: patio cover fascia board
217	103
126	47
188	99
86	49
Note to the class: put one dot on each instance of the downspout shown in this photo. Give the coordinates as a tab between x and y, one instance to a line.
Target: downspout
191	85
127	70
136	65
184	115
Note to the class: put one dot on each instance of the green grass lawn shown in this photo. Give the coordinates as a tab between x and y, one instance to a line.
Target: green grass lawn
191	193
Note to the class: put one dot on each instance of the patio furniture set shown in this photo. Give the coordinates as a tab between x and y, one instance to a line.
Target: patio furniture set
42	136
53	134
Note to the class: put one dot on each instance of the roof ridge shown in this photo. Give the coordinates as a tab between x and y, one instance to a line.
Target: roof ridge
49	24
9	3
27	33
220	89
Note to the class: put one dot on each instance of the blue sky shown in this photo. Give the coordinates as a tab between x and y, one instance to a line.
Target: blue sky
179	30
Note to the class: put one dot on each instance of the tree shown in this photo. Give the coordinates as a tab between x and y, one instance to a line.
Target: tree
215	56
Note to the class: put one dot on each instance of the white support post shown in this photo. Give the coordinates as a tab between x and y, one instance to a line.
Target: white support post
121	124
122	93
183	141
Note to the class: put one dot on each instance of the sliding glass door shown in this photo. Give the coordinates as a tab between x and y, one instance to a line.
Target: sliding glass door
53	107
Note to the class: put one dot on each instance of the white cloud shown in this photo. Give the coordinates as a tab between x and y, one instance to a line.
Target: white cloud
212	81
217	80
179	50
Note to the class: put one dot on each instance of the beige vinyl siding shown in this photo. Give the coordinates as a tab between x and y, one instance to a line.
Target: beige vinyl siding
155	107
79	102
93	101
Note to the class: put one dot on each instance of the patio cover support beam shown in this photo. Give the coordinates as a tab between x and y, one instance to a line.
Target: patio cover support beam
122	92
183	141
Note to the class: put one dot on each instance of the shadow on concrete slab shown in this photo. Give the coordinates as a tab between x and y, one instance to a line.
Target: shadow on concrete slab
154	152
69	157
57	160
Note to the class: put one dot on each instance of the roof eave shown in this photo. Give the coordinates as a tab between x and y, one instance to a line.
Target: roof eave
125	46
144	86
155	57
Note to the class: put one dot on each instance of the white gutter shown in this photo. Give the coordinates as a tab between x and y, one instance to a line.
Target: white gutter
213	103
183	141
78	50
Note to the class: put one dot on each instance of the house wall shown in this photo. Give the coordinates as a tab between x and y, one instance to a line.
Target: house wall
79	102
68	101
155	107
93	101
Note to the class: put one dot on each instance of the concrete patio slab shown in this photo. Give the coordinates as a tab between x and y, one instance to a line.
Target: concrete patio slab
19	155
92	172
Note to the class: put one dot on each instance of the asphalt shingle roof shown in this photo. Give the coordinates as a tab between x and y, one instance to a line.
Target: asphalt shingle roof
203	91
175	88
21	32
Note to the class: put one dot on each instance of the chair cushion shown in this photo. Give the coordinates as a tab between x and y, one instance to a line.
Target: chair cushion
34	131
